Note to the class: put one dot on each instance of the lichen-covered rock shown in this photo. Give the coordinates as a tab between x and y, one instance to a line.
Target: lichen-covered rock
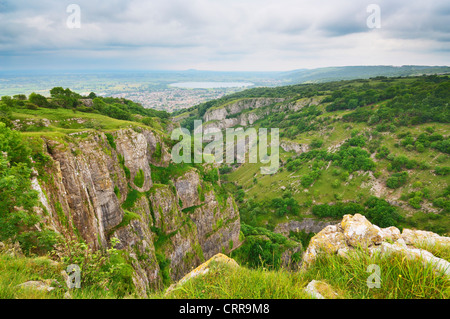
320	290
329	241
137	238
289	146
203	269
355	231
301	103
135	149
288	260
221	113
422	237
218	225
187	187
358	231
439	265
81	193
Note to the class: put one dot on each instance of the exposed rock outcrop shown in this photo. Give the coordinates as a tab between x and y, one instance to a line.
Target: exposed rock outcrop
301	103
307	225
223	112
320	290
357	232
202	270
289	146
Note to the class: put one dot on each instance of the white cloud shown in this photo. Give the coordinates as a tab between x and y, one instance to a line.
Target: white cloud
232	34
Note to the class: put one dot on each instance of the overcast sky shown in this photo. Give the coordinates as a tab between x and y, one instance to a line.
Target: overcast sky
248	35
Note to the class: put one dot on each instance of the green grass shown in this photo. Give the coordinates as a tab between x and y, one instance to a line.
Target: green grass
400	279
17	270
163	175
62	121
225	282
139	179
132	197
127	218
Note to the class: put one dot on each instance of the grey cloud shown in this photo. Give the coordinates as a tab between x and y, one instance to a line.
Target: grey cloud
206	32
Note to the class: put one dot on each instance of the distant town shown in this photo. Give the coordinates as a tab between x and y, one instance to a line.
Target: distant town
173	99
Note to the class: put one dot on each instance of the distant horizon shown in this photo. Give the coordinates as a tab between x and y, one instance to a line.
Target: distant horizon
109	70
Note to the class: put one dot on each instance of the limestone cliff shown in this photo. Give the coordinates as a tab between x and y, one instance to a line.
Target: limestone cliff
96	186
243	112
235	107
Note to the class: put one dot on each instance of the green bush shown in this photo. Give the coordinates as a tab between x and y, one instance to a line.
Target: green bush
110	139
139	179
397	180
39	100
99	270
442	171
337	210
381	213
17	198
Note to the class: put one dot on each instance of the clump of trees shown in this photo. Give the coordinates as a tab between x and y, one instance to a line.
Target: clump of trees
264	248
423	141
17	198
351	158
397	180
423	100
252	212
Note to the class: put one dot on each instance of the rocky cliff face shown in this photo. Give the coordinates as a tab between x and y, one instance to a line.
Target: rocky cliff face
289	146
97	187
243	112
307	225
236	107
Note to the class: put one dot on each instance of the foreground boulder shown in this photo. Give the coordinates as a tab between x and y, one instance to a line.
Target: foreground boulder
37	285
320	290
355	231
203	269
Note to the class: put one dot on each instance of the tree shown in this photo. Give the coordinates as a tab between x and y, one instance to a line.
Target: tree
64	97
20	97
381	213
8	101
38	100
396	180
5	111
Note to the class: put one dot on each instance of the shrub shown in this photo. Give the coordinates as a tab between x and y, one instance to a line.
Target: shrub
397	180
110	139
316	143
442	171
38	100
99	270
139	179
381	213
